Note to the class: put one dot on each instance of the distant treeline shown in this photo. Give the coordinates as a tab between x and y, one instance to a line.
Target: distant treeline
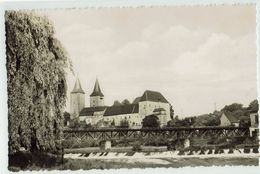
213	119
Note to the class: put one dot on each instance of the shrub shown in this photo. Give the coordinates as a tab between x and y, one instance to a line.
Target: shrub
170	146
24	160
210	151
255	150
191	152
231	151
137	147
124	124
69	143
151	121
246	150
202	152
216	151
221	151
181	152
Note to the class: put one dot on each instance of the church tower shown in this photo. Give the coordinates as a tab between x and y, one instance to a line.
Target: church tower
77	99
96	97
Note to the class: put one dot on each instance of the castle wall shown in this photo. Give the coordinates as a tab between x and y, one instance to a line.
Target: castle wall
93	120
147	108
134	119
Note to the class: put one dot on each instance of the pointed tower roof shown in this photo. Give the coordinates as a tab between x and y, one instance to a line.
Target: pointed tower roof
77	87
97	90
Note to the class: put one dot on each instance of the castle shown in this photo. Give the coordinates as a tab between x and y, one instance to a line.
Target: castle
150	103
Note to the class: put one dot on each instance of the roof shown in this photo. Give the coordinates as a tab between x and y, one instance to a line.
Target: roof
77	87
97	90
231	117
89	111
254	111
153	96
244	117
158	109
122	109
136	100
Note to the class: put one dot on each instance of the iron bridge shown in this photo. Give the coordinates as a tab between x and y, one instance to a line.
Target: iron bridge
102	134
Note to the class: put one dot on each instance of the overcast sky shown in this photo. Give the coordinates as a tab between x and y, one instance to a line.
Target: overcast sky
195	56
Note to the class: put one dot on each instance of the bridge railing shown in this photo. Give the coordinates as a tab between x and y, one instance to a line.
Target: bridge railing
95	136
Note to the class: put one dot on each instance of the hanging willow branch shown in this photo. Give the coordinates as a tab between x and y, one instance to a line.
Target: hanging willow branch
36	64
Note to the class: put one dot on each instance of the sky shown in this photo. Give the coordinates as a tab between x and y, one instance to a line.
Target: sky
198	57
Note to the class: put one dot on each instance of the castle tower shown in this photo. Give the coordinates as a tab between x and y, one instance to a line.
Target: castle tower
77	100
96	97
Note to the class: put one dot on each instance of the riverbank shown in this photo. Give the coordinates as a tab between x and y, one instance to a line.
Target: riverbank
87	164
237	153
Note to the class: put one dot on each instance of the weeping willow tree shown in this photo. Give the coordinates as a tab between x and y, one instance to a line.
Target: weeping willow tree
36	65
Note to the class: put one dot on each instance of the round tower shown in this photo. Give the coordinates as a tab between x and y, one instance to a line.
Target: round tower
96	97
77	100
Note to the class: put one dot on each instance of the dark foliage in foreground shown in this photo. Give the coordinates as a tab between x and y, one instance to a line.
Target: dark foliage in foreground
36	83
33	161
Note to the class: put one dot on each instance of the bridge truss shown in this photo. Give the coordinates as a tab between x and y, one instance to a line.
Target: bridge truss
148	134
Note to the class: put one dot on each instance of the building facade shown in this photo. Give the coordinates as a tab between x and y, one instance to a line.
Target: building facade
227	119
99	115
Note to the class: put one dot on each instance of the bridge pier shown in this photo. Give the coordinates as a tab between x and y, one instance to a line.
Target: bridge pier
186	143
105	145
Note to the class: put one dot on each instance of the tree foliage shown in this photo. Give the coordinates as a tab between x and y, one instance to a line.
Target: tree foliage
151	121
66	118
117	103
125	102
253	106
124	124
233	107
186	122
75	123
171	112
36	82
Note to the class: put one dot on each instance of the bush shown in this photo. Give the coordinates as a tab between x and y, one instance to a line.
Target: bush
69	143
25	160
230	151
216	151
137	147
170	146
202	152
255	150
124	124
151	121
210	151
181	152
191	152
246	150
221	151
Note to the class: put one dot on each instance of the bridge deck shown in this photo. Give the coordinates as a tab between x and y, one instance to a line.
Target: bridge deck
156	129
